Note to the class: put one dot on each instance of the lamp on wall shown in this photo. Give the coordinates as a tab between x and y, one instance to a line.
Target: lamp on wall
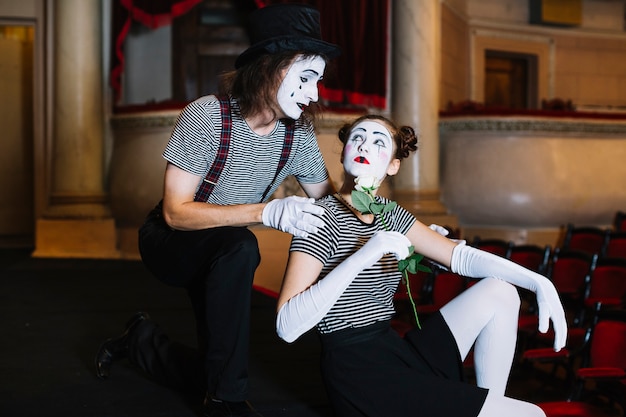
556	12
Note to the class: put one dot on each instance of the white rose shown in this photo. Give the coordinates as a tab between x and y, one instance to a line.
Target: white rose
366	183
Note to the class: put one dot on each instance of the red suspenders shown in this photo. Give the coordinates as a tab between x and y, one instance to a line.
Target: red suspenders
212	176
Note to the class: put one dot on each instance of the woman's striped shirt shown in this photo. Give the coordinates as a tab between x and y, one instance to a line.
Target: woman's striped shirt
369	298
252	159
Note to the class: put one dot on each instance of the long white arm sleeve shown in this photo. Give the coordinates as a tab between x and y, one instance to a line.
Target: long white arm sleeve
475	263
306	309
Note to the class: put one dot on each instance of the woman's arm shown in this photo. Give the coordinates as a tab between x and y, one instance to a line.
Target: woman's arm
431	243
301	272
302	303
318	190
471	262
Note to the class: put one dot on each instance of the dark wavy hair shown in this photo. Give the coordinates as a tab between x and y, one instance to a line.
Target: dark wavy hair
404	137
255	85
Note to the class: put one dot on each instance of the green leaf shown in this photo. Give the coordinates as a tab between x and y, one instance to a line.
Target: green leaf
389	206
403	264
376	208
417	256
361	201
414	265
411	264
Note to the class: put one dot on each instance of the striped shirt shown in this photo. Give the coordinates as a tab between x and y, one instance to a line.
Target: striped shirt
252	159
369	298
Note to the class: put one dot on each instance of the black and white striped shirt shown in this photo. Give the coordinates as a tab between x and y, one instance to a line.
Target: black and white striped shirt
252	159
369	298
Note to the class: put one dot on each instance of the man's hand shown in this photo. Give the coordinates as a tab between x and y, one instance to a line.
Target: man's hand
295	215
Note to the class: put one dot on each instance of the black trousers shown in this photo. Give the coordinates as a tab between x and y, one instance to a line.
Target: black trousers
216	266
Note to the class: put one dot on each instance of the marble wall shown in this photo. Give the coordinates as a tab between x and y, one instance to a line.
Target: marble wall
524	178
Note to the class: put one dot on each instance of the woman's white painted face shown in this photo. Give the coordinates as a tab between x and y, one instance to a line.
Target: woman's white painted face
299	87
369	150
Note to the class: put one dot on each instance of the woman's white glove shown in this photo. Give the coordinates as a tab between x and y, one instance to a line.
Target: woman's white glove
475	263
439	229
295	215
306	309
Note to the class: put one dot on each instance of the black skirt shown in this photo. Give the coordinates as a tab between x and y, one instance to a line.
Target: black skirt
373	372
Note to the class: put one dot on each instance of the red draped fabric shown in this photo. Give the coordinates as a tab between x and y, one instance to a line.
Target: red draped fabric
360	28
358	78
150	13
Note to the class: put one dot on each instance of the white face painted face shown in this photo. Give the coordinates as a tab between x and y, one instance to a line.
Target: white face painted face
369	150
299	87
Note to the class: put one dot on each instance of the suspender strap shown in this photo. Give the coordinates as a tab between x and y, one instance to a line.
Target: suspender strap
209	181
284	155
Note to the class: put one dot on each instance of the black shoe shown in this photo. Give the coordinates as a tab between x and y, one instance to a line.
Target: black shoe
116	348
218	408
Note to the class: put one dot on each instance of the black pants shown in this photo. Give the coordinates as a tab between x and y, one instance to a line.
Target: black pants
217	267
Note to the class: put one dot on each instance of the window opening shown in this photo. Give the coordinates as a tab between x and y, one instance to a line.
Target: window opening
510	80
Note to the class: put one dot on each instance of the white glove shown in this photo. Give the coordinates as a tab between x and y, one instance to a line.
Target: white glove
439	229
475	263
295	215
306	309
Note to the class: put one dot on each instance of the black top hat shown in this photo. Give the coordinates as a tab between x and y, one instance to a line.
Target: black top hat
285	27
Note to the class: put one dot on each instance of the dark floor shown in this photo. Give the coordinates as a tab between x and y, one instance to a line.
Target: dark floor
54	313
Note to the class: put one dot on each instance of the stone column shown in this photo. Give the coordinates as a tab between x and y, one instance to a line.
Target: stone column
416	51
77	221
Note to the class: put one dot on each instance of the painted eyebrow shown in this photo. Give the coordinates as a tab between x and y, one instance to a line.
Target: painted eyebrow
311	71
383	134
375	132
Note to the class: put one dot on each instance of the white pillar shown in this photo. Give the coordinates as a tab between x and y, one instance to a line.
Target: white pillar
416	52
77	220
78	121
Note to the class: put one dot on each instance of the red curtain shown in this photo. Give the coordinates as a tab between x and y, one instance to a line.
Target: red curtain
360	28
358	78
150	13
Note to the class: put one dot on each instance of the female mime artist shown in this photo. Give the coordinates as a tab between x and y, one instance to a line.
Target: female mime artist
342	281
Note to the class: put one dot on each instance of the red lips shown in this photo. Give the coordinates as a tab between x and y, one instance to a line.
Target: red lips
361	160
